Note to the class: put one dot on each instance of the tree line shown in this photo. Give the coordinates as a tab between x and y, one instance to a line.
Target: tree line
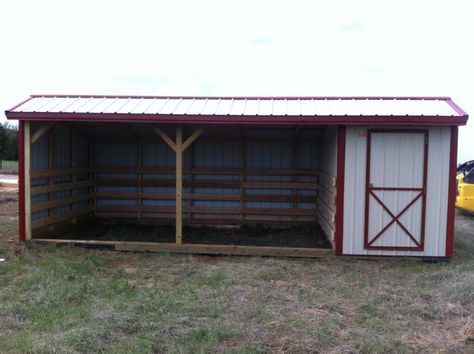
8	142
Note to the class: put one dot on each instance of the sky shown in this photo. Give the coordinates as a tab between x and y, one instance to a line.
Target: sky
270	48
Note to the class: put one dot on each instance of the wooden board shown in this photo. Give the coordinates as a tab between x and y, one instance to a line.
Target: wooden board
196	248
35	190
60	217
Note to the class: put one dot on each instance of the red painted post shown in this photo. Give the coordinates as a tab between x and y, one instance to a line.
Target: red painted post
452	192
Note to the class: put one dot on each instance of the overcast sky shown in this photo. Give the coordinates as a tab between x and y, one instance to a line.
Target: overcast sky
240	48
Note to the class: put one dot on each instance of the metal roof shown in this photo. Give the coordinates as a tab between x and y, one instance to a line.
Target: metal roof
254	110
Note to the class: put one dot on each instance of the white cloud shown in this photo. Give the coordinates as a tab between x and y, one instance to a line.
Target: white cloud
241	48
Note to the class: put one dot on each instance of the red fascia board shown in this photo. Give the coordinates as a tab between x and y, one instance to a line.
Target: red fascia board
415	98
240	119
456	108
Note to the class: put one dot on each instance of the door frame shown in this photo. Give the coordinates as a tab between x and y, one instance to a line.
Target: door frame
395	218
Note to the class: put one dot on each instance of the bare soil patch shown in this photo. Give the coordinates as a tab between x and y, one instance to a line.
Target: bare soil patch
260	235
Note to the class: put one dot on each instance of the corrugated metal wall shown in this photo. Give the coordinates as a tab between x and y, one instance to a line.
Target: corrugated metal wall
58	139
437	193
286	149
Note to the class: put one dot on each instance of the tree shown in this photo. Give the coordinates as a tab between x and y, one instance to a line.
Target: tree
3	143
8	142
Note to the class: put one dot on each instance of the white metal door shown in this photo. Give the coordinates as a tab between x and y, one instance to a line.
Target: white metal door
396	189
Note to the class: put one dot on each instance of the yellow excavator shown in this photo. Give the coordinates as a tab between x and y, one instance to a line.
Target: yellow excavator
465	186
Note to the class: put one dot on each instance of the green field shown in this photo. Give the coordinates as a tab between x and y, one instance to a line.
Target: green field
8	166
66	300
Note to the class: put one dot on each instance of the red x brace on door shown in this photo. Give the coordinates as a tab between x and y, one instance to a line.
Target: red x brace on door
395	218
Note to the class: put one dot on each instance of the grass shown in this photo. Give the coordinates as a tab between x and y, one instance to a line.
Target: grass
61	299
8	166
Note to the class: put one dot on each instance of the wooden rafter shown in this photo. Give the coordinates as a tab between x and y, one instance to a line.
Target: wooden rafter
193	137
165	137
41	131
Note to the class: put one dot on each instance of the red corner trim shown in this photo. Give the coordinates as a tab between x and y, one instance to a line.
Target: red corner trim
21	182
451	192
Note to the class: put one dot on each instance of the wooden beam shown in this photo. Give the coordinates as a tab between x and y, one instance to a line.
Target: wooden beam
198	248
179	185
60	202
53	172
208	183
41	131
193	137
60	217
165	137
35	190
203	196
27	149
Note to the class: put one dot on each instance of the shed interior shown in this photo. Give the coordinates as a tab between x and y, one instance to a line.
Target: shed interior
241	184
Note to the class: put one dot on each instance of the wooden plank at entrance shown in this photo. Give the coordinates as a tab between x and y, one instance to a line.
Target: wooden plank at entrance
199	248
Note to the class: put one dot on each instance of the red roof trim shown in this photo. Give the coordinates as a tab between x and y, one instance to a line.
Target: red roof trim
239	119
458	109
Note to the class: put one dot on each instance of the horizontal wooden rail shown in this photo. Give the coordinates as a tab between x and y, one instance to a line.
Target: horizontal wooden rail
210	171
60	202
208	197
171	170
207	210
206	183
60	172
56	218
35	190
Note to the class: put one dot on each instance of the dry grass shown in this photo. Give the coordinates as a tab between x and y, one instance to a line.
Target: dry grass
74	300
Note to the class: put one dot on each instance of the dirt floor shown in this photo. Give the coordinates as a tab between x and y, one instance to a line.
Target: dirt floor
73	300
260	235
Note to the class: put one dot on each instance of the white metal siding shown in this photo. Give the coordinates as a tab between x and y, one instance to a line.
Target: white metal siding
437	194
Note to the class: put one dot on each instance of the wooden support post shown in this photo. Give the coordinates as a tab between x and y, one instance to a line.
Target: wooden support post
27	148
179	185
178	146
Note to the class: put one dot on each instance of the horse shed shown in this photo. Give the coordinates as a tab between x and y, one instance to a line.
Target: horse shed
291	176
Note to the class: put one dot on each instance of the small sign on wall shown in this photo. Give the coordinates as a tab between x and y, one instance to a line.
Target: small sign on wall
362	134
